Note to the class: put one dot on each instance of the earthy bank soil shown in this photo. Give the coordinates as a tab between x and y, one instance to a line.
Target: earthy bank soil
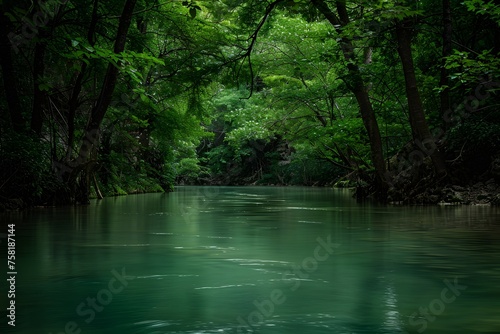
480	193
461	186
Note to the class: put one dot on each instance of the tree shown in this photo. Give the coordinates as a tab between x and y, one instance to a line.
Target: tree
446	52
359	89
82	164
8	71
271	91
71	75
421	133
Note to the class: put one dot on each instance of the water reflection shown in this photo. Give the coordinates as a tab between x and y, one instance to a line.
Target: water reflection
211	260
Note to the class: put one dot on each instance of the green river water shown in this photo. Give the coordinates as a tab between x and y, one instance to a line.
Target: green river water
253	260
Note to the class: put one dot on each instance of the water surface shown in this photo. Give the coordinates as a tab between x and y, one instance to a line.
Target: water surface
255	259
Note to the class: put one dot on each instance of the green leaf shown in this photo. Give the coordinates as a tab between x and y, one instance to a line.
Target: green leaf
44	87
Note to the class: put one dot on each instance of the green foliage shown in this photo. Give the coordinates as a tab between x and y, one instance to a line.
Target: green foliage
25	172
122	173
482	7
467	68
476	134
189	168
305	168
180	111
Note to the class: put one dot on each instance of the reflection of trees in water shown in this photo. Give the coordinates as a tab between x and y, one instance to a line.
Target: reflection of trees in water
376	309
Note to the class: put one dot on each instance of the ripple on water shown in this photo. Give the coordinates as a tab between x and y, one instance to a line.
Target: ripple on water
306	323
259	262
117	245
308	208
159	327
147	325
190	235
205	248
309	222
163	276
225	286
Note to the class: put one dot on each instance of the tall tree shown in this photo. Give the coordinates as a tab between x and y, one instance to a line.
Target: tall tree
100	108
38	92
359	89
8	71
447	47
420	128
81	166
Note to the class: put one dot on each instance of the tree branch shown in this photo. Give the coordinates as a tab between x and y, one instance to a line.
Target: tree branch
253	39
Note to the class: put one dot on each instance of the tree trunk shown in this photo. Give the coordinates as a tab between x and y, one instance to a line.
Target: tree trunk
360	91
444	96
99	110
73	102
38	94
8	73
420	129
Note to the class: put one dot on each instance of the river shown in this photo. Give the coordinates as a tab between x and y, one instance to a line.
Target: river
254	260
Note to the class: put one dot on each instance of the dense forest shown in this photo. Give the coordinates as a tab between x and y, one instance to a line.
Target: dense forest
398	99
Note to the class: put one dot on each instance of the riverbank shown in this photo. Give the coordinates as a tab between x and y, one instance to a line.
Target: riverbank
486	193
480	193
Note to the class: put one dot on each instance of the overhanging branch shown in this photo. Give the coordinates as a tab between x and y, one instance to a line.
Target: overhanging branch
253	39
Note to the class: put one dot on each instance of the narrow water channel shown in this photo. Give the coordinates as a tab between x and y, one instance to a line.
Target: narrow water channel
255	260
